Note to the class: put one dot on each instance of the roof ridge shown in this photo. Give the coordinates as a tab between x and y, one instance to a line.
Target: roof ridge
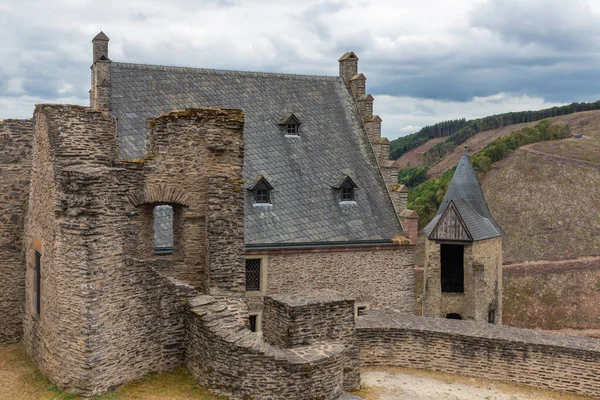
174	68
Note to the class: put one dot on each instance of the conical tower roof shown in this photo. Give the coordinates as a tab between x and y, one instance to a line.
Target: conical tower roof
464	194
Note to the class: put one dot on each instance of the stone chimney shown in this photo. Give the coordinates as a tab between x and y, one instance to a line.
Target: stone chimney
358	84
373	127
365	105
348	66
100	90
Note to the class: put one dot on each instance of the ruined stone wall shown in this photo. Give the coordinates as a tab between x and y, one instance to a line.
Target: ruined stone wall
552	361
377	277
106	316
16	137
291	320
482	282
223	354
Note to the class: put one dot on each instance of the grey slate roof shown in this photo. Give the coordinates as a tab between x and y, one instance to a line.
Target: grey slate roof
331	143
466	194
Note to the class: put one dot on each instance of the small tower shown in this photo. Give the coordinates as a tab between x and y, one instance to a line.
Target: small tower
463	254
100	90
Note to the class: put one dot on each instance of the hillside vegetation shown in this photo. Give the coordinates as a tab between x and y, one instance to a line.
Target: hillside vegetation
546	197
426	198
458	131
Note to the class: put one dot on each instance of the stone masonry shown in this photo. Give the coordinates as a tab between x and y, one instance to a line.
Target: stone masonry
548	360
109	317
16	138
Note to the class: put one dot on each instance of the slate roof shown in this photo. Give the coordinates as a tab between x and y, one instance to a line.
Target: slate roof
466	194
331	143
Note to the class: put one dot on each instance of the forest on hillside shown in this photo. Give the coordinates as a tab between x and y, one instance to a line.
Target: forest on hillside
459	130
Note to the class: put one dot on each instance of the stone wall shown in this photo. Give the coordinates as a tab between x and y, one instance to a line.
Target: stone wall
16	137
380	277
223	354
295	320
482	282
107	317
552	361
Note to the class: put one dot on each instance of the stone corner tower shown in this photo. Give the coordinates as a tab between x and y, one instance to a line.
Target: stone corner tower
463	254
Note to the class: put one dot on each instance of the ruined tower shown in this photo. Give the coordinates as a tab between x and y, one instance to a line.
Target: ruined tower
463	254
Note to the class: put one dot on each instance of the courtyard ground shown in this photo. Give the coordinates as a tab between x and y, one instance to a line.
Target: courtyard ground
20	380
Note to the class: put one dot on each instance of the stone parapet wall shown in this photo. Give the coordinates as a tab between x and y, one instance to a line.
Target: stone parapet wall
224	354
378	277
16	142
547	360
314	316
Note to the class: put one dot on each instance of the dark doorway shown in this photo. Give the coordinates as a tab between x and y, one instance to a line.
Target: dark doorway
453	316
253	320
452	260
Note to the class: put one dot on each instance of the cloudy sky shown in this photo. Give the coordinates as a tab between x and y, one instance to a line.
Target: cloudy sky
425	61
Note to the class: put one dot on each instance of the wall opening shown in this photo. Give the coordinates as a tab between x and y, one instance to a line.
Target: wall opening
163	229
453	316
38	283
452	262
492	316
253	319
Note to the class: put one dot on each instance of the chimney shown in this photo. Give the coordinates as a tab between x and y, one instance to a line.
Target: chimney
365	105
373	127
348	66
410	223
100	91
358	85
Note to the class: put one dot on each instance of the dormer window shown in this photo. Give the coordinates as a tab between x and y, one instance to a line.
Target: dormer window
291	125
346	189
262	191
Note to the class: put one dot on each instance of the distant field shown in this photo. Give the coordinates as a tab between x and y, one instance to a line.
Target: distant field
414	158
586	123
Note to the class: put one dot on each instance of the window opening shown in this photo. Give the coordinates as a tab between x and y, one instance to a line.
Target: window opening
163	229
452	260
38	282
453	316
361	310
292	129
262	194
253	322
253	275
492	316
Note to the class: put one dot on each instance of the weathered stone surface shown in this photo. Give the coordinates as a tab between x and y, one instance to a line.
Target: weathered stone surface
222	353
381	278
16	142
554	361
314	316
111	310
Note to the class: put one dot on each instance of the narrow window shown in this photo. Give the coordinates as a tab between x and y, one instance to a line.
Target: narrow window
38	282
262	194
453	316
253	322
361	310
492	316
253	275
347	191
452	259
292	129
163	229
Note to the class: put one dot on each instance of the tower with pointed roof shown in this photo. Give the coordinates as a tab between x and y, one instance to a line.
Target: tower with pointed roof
463	254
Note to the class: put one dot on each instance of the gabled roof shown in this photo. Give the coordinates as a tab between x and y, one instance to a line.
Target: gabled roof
101	36
305	209
348	56
289	118
344	181
261	180
464	193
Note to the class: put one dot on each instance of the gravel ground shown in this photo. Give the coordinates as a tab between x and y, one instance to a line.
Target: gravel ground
401	383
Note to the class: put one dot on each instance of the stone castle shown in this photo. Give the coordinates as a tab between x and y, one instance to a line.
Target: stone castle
248	226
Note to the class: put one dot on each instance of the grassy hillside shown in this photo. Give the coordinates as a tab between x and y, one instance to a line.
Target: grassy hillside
414	157
586	123
547	199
